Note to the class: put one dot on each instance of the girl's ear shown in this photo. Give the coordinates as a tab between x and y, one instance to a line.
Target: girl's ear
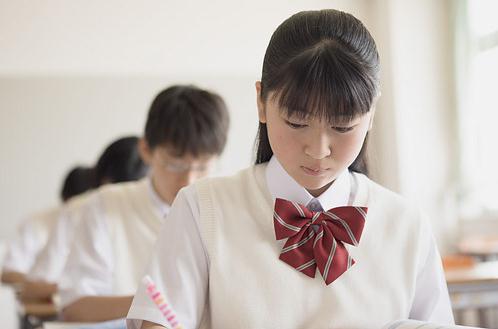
144	151
261	105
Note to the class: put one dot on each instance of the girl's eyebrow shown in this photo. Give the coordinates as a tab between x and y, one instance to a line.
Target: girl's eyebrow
296	115
345	120
343	123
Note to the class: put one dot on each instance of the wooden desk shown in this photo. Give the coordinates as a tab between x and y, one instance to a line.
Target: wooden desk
41	310
33	314
474	288
482	247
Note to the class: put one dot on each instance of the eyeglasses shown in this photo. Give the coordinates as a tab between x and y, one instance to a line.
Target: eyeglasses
182	167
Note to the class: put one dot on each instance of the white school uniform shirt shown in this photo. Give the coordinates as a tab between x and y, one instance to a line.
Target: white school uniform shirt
113	241
31	237
52	259
189	267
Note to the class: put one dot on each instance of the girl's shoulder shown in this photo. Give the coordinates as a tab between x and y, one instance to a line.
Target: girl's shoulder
249	181
252	174
123	187
118	192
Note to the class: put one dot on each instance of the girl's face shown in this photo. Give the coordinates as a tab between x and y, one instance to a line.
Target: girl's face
312	151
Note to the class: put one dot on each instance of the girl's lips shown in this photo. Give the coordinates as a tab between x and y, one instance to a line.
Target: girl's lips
313	172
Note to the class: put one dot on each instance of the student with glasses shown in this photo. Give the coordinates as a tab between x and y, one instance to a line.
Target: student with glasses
186	130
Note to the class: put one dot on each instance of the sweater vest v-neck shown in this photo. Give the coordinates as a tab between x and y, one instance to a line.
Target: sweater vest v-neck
249	287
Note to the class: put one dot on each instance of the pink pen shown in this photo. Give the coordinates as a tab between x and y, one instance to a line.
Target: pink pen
161	303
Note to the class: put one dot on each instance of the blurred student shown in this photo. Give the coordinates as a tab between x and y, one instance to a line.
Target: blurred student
79	180
33	232
186	130
119	162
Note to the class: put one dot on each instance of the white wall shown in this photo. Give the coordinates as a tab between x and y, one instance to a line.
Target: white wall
76	74
158	36
52	123
417	40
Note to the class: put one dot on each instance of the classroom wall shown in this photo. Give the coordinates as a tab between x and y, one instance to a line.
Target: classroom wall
421	92
52	123
185	37
75	75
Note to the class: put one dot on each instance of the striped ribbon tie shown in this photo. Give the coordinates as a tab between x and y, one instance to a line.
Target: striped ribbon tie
317	238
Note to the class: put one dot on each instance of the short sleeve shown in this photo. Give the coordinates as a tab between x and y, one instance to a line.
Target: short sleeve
51	260
179	267
22	250
431	302
89	266
31	237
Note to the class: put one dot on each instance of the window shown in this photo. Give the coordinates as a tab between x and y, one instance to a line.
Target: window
477	94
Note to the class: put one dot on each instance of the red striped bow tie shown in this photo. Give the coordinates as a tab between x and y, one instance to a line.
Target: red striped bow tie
317	238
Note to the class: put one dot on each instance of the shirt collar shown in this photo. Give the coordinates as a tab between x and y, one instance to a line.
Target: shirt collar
282	185
162	206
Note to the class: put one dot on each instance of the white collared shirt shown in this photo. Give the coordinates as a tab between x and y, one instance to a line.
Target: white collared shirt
281	185
52	258
92	264
32	235
183	228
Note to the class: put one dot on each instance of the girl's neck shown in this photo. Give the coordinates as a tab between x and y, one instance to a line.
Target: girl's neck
316	193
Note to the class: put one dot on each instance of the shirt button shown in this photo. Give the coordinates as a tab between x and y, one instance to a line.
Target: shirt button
314	205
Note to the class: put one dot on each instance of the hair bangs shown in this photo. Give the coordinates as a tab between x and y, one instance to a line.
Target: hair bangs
324	82
188	120
195	136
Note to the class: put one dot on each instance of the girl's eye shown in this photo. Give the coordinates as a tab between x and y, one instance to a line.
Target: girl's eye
295	125
342	129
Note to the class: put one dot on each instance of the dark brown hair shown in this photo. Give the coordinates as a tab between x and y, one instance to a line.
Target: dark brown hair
77	181
189	120
120	162
322	64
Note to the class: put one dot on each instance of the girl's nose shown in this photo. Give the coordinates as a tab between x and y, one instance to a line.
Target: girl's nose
318	147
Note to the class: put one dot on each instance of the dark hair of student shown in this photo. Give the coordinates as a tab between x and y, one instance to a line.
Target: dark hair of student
187	120
322	64
120	162
78	180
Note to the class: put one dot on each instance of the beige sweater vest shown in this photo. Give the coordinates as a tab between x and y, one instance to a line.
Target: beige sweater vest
249	287
134	222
